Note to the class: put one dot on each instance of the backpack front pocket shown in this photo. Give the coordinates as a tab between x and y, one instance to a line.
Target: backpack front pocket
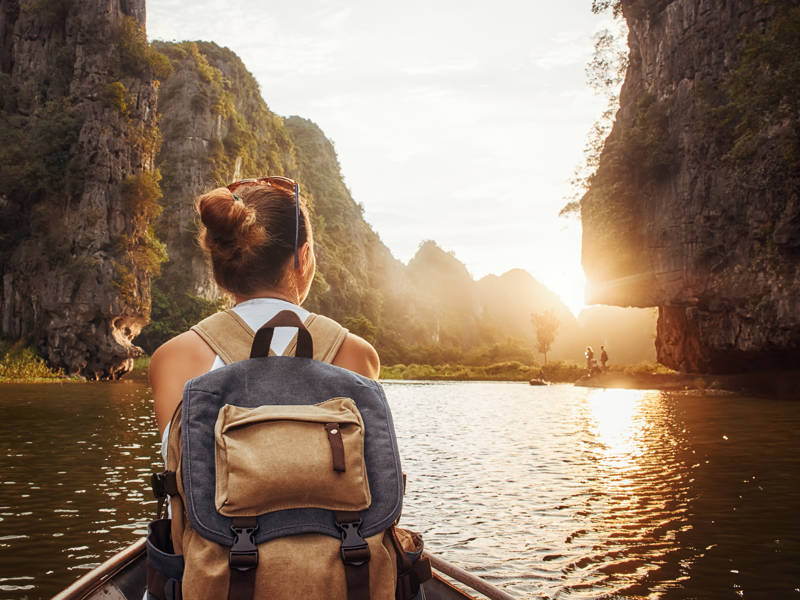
272	458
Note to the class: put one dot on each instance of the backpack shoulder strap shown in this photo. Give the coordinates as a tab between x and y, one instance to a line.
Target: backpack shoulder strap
327	335
227	334
231	338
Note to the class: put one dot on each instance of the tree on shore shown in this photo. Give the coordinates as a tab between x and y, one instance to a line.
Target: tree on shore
546	324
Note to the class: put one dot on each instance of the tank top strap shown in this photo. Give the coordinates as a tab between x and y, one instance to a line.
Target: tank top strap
231	338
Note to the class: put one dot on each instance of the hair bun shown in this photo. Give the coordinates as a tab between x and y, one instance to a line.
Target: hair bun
231	230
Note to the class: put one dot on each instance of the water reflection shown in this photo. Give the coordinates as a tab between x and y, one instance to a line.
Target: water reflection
570	493
556	492
615	419
76	459
637	491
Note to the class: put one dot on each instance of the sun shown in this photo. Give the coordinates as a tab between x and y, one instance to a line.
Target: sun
569	284
573	293
560	270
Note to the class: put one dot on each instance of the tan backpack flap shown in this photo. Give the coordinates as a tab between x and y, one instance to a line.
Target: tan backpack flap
277	457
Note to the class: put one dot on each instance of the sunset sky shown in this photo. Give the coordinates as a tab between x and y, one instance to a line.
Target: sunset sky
460	122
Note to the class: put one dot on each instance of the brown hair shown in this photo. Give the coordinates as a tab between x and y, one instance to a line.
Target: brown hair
250	237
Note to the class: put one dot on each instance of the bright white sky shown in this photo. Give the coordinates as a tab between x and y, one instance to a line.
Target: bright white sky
456	121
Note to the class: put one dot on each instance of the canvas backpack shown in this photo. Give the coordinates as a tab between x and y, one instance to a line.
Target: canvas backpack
283	477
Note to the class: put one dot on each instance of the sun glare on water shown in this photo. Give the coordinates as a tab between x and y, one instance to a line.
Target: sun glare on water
613	414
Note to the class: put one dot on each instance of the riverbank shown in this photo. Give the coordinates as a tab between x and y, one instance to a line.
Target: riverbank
554	372
21	364
561	372
649	381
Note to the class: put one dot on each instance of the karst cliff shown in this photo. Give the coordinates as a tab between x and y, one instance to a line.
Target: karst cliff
106	143
78	191
695	206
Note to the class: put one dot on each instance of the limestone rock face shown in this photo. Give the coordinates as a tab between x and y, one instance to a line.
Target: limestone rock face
79	131
683	214
216	129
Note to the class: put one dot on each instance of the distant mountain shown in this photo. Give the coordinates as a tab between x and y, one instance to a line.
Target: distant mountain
507	302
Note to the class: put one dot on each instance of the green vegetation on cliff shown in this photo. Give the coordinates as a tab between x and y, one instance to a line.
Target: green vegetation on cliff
758	101
78	194
135	56
640	155
210	97
35	157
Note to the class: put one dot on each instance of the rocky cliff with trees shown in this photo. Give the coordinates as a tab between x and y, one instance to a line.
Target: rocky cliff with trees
98	200
695	204
78	186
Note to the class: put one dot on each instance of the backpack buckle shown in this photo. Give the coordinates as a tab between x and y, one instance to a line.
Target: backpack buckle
157	483
164	484
354	550
243	555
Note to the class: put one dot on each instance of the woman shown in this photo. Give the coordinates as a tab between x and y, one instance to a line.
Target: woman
261	249
589	354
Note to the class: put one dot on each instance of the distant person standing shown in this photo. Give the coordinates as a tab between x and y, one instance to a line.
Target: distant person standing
589	354
603	358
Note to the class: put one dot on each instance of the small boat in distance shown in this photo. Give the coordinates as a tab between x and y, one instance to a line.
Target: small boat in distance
124	577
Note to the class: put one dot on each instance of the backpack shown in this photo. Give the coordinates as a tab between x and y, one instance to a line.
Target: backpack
283	478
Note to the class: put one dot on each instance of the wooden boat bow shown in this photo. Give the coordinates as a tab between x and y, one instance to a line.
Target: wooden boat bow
123	577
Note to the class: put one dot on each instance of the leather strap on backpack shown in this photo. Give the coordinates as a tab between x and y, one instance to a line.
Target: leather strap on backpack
355	555
304	346
159	587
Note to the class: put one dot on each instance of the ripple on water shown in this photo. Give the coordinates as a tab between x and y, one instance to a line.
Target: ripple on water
555	492
589	490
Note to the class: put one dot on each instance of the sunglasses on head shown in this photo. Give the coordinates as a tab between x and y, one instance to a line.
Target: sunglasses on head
285	184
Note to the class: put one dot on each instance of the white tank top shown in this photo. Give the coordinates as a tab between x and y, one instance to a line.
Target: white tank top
255	312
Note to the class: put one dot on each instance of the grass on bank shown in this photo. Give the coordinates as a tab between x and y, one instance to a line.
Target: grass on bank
141	365
555	372
21	364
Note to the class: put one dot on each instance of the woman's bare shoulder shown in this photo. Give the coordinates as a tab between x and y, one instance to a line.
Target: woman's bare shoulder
187	347
174	363
358	355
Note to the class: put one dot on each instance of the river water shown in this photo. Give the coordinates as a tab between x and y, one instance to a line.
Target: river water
557	492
